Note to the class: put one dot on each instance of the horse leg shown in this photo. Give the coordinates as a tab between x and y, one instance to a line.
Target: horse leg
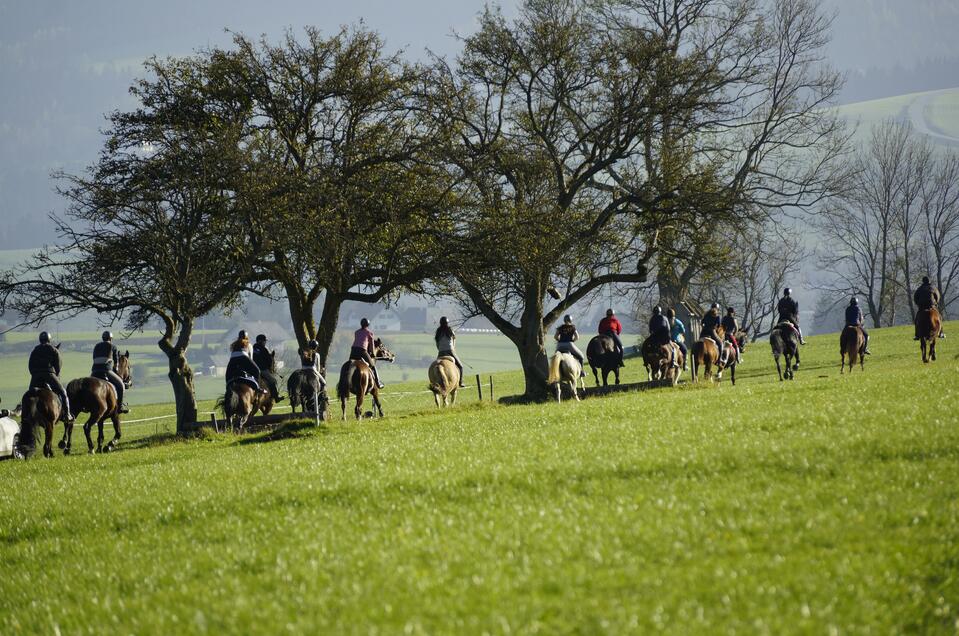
575	393
453	394
48	438
922	347
436	398
842	362
559	393
932	346
115	418
343	407
100	433
796	365
86	431
732	375
595	373
778	368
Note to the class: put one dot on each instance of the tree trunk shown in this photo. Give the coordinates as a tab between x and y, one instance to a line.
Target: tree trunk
531	344
181	377
301	314
329	319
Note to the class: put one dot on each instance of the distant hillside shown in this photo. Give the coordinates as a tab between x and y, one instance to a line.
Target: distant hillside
933	113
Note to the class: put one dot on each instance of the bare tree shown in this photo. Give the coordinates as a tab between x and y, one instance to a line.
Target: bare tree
940	212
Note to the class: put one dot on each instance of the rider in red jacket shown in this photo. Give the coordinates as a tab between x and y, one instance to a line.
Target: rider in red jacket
610	326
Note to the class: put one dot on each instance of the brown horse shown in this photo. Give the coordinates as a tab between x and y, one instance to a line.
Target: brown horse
357	378
444	380
266	400
240	403
852	342
658	361
38	407
705	353
98	398
929	324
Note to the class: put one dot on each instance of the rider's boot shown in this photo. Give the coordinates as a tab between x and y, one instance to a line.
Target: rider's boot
865	347
123	408
376	378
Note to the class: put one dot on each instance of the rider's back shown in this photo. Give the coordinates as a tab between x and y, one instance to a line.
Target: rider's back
44	359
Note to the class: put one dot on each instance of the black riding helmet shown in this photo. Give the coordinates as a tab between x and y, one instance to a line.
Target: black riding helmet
44	337
107	336
657	310
313	344
854	301
261	337
242	334
787	291
364	323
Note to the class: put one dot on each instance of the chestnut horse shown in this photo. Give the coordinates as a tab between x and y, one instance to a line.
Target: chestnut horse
852	342
98	398
705	353
444	380
241	402
658	361
39	407
929	324
357	378
601	354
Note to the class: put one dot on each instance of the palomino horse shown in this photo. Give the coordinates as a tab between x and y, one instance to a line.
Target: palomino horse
98	398
601	354
241	402
564	368
38	407
356	377
784	341
658	361
444	380
852	342
929	323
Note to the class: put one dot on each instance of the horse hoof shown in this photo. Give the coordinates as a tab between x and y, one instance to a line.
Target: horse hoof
61	444
91	452
66	451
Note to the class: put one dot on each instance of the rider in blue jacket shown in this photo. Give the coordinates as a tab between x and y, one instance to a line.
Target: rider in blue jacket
854	318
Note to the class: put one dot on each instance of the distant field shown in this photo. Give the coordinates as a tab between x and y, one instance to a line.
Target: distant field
824	505
934	113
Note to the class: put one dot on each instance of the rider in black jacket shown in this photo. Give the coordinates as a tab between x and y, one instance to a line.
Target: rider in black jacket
264	359
789	312
106	357
44	365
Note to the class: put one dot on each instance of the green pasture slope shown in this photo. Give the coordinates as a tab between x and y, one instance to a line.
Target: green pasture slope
824	505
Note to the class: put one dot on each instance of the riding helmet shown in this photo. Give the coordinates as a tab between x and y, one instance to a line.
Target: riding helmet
854	301
107	336
730	310
568	319
261	337
44	337
657	310
443	321
714	306
925	280
364	323
313	344
787	291
242	334
609	312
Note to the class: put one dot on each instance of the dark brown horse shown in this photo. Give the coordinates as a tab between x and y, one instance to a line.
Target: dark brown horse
602	356
38	407
241	402
657	358
929	324
98	398
306	386
357	378
784	342
852	343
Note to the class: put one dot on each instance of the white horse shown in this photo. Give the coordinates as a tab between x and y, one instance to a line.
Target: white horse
565	369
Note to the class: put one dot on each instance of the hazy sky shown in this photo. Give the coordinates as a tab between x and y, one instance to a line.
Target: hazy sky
63	64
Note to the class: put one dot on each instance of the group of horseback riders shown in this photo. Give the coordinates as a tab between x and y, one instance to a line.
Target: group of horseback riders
46	363
566	336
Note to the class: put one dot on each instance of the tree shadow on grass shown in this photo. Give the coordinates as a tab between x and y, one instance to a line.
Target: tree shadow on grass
287	430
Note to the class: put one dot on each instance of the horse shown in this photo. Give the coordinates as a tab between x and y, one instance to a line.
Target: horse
444	380
929	323
851	345
784	341
241	402
657	359
302	385
39	407
602	355
266	399
564	368
356	377
705	353
98	398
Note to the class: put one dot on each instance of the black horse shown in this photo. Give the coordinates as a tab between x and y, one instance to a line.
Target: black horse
602	355
784	340
301	386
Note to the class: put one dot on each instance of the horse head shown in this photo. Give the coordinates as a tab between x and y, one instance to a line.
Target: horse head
125	370
380	352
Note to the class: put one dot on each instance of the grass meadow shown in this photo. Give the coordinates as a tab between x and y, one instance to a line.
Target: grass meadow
829	504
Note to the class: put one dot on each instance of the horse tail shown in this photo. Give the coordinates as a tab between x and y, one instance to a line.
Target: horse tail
554	365
343	386
29	405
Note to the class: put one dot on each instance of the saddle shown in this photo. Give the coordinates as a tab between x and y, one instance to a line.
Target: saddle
246	379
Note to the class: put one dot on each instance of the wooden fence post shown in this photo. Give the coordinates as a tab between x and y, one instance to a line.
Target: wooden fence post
491	388
216	427
479	387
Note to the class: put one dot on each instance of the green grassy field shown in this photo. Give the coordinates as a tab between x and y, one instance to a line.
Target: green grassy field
825	505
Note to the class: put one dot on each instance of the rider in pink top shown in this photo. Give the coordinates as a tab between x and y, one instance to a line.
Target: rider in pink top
363	348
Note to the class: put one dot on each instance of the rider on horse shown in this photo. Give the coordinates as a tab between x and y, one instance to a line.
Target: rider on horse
710	321
677	332
446	343
854	318
731	326
106	358
309	361
926	297
610	326
44	365
566	337
264	360
788	310
241	366
363	348
659	332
